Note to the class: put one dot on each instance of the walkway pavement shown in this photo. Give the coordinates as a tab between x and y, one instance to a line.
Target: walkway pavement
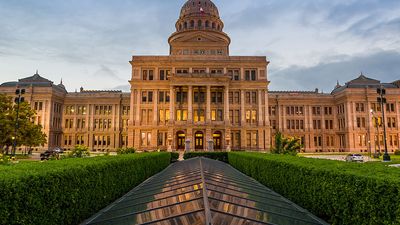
202	191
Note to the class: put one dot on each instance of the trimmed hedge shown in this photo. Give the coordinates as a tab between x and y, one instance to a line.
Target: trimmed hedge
339	192
174	157
71	190
220	156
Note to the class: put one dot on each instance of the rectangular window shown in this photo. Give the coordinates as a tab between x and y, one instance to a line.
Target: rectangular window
150	97
164	74
234	74
144	96
199	115
181	97
237	97
254	97
250	75
181	115
253	116
237	116
161	116
248	98
182	71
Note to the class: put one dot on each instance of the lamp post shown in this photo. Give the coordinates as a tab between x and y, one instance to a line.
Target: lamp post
382	100
17	100
377	142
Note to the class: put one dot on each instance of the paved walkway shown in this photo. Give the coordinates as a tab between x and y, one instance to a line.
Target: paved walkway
202	191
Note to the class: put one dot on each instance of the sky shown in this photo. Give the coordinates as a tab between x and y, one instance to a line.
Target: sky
310	43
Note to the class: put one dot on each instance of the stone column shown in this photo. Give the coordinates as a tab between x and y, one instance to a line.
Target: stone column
208	109
137	118
155	107
190	104
226	107
242	112
171	105
131	131
260	109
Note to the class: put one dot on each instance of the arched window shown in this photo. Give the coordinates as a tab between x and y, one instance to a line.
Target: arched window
213	25
192	23
199	23
219	28
207	24
185	25
180	26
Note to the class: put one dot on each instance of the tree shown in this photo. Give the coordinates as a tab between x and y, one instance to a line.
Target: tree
80	151
286	145
28	133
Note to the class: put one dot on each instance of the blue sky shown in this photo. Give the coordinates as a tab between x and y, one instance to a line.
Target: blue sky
310	43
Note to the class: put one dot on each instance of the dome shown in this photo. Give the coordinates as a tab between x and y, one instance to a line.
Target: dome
199	7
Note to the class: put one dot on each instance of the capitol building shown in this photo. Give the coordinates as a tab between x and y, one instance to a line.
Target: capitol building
202	98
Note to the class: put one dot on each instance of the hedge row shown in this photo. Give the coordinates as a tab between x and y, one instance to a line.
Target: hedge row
339	192
71	190
220	156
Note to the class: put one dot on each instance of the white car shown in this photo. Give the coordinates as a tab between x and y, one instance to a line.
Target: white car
354	158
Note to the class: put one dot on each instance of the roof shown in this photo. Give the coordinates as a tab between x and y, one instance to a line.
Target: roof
34	81
363	82
202	191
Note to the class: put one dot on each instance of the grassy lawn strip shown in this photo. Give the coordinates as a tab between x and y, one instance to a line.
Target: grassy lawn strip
339	192
71	190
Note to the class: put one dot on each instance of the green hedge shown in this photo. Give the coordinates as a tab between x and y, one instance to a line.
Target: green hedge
174	157
220	156
71	190
339	192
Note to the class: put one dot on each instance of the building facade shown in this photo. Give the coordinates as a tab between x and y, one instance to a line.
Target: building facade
200	97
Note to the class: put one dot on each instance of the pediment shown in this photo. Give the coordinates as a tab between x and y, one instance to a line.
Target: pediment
199	37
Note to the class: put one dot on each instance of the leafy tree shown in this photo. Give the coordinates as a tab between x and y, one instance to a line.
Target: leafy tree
28	133
286	145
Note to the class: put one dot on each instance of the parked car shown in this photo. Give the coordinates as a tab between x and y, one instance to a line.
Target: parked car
58	150
354	158
51	153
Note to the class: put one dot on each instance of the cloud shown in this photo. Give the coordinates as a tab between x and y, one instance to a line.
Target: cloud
96	38
106	72
382	65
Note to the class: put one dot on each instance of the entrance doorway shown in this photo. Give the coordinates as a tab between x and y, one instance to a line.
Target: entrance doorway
180	137
217	138
199	140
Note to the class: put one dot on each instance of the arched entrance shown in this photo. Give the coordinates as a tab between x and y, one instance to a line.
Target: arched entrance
180	137
217	138
199	140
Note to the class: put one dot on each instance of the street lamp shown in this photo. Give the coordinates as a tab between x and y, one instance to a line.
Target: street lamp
17	100
382	100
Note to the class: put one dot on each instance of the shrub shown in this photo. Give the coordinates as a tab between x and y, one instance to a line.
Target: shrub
71	190
397	152
124	151
220	156
286	145
174	157
80	151
339	192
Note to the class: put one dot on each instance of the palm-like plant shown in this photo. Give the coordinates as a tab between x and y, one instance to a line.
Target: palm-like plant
286	145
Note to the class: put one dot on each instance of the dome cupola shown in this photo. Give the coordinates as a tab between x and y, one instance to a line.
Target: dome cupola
199	7
199	31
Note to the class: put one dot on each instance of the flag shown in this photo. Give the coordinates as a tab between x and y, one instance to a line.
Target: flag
201	10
